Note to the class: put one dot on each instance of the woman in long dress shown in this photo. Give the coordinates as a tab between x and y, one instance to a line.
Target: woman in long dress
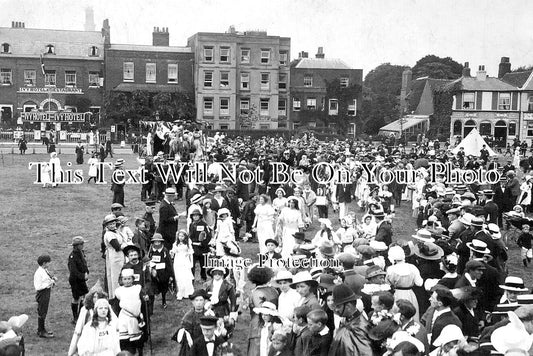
525	193
402	277
263	223
55	169
182	253
289	222
93	168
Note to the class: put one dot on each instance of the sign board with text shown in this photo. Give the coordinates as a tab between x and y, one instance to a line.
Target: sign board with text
35	90
55	116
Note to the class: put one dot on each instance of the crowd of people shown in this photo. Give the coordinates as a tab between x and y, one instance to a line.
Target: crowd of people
445	290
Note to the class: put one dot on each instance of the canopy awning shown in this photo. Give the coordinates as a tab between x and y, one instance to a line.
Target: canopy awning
405	123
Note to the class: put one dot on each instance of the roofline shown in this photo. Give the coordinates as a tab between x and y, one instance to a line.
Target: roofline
110	48
47	29
526	83
37	56
234	35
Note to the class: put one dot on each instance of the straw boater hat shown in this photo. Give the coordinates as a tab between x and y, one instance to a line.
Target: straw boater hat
428	251
494	231
448	334
170	191
423	235
478	246
196	198
301	277
466	219
119	162
478	222
514	284
267	308
512	336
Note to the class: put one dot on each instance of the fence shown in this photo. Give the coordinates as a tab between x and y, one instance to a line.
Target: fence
69	137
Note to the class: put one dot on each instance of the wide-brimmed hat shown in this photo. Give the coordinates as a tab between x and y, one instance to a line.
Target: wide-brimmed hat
219	269
78	240
478	222
378	246
196	212
327	249
224	211
478	246
109	219
378	213
283	276
374	271
423	235
343	294
157	237
448	334
281	190
511	336
428	251
196	198
301	277
267	308
494	231
466	219
128	248
515	284
199	293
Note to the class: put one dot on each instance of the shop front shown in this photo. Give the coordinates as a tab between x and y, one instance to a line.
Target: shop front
497	128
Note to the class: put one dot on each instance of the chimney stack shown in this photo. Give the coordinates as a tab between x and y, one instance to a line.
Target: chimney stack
320	53
160	37
106	32
504	67
466	70
303	54
481	74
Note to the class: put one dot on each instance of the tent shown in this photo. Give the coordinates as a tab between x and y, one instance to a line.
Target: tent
473	143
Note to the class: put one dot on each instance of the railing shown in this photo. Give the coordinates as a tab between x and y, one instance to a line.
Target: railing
71	137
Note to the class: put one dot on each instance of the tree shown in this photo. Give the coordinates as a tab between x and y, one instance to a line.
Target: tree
174	106
344	96
437	68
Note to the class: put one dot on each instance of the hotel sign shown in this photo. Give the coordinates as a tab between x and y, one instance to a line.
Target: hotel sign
55	116
35	90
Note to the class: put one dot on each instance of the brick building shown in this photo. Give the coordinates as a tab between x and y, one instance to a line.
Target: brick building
71	84
241	79
311	103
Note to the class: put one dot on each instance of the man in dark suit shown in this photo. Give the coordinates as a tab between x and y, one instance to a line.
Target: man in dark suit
513	184
233	207
500	199
208	343
168	218
490	208
442	315
344	197
384	229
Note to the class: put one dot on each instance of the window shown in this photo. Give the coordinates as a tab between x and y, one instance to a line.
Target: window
530	103
208	106
245	81
245	106
264	108
5	76
282	107
352	107
224	106
264	127
311	104
128	71
94	79
93	51
224	127
208	79
172	72
282	84
6	113
265	81
469	101
69	108
224	54
345	82
50	78
457	128
70	78
530	128
296	104
30	77
245	55
283	58
485	129
50	49
151	73
512	129
265	56
504	101
29	107
6	48
224	80
308	81
333	107
208	54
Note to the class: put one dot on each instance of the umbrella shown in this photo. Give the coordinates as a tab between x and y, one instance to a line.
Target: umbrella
519	221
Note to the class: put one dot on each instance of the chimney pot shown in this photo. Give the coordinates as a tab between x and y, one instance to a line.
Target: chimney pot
481	74
12	24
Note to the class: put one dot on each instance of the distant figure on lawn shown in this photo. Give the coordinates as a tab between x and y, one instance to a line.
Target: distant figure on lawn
23	145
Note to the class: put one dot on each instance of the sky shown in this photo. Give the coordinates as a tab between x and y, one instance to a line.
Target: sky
363	33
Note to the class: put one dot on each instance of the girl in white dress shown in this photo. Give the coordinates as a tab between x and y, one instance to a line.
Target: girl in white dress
93	168
289	222
280	201
55	169
263	223
182	252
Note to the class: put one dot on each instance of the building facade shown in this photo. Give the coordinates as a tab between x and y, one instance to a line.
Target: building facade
489	104
311	104
241	79
50	76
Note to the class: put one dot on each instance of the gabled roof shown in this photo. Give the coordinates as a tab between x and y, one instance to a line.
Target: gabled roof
417	88
321	63
147	48
518	79
67	43
489	84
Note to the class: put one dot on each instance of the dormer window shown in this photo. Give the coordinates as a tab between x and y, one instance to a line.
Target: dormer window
93	51
50	49
6	48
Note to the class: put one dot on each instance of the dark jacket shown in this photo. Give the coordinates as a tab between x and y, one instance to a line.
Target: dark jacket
491	211
470	322
227	299
384	233
167	225
200	237
199	347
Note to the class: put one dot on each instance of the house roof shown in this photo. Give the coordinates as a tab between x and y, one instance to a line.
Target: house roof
518	79
67	43
147	48
417	88
489	84
321	63
406	122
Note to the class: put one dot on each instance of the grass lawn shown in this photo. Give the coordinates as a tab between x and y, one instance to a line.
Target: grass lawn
37	221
